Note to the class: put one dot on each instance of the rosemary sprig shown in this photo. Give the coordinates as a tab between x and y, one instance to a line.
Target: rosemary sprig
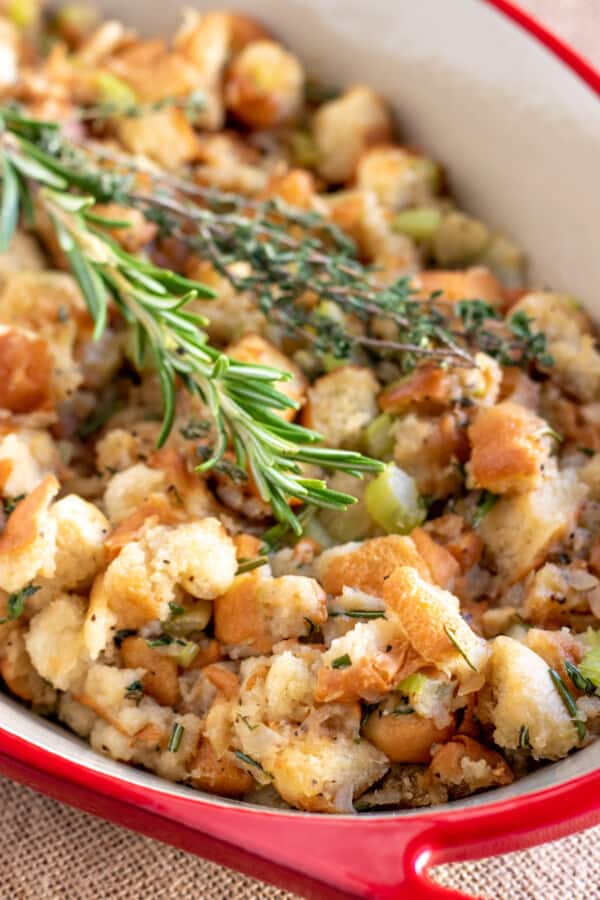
242	399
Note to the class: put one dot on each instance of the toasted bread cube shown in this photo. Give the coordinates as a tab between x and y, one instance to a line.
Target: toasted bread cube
476	283
55	642
264	85
26	369
345	127
27	544
341	404
467	765
524	696
27	456
324	773
81	530
166	137
366	566
218	775
570	341
160	671
510	448
257	611
375	657
430	619
398	177
19	674
520	528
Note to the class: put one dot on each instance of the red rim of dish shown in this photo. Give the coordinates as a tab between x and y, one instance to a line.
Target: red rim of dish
570	57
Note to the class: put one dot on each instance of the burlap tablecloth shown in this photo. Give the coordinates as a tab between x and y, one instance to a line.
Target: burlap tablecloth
51	852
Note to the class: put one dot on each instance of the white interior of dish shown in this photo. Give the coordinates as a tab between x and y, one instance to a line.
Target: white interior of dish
520	135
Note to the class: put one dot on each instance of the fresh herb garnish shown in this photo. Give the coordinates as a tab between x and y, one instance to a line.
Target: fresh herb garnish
175	610
569	702
122	634
487	501
9	503
342	662
175	739
162	640
589	451
249	761
248	723
451	635
15	604
583	684
524	738
404	709
135	691
195	429
357	613
248	565
98	419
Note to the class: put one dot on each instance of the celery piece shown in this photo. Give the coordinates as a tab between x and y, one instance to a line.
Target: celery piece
393	501
590	666
419	223
114	91
379	437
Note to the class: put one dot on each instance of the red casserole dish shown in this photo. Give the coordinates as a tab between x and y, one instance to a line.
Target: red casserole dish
535	105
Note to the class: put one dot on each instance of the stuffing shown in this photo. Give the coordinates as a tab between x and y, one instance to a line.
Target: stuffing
130	489
49	306
55	642
464	765
26	368
569	339
160	671
20	675
81	530
198	557
254	349
258	611
398	177
366	566
341	404
510	449
27	456
431	622
27	544
519	529
343	128
476	283
430	450
365	663
166	137
404	736
218	775
559	595
323	773
264	85
524	696
402	652
555	647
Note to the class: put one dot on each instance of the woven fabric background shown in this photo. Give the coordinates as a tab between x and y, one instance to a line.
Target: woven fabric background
51	852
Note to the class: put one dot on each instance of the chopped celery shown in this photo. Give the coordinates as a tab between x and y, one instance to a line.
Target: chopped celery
428	172
459	240
352	524
114	92
413	684
331	362
379	437
23	12
590	666
592	637
420	223
304	149
505	260
393	501
192	620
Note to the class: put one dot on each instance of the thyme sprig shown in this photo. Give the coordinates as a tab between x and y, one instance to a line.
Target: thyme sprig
242	399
